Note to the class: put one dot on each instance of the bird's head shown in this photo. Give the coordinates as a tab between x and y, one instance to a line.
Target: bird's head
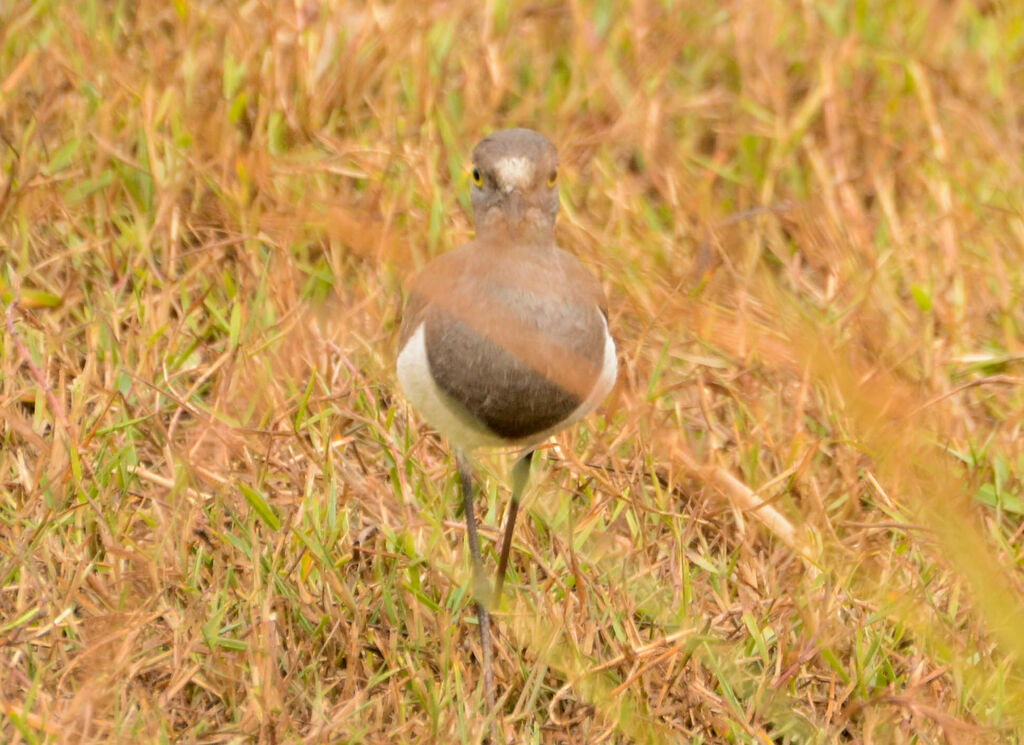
515	173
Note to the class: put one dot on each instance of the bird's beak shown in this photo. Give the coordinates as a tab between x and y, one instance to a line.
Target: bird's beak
514	207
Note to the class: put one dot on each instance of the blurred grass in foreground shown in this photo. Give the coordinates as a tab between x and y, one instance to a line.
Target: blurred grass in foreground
799	519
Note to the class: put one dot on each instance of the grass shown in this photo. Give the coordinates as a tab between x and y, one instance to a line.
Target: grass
798	519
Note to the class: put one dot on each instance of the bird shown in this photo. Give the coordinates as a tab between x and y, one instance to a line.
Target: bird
505	340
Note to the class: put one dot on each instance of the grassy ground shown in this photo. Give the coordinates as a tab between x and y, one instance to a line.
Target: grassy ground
799	518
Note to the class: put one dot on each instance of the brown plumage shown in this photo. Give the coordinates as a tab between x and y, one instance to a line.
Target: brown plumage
515	328
514	333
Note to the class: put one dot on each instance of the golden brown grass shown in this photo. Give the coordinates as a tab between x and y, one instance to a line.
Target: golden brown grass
798	519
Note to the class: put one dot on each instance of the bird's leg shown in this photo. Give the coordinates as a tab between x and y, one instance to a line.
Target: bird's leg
481	590
520	475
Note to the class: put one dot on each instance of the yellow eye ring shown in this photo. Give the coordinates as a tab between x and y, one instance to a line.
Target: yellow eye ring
477	178
553	177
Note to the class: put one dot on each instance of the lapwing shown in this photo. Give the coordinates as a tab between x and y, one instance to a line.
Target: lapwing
505	340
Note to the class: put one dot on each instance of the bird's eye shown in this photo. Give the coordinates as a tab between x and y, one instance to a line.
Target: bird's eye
477	178
552	177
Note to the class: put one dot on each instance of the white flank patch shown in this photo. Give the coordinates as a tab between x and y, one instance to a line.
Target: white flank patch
604	384
514	172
